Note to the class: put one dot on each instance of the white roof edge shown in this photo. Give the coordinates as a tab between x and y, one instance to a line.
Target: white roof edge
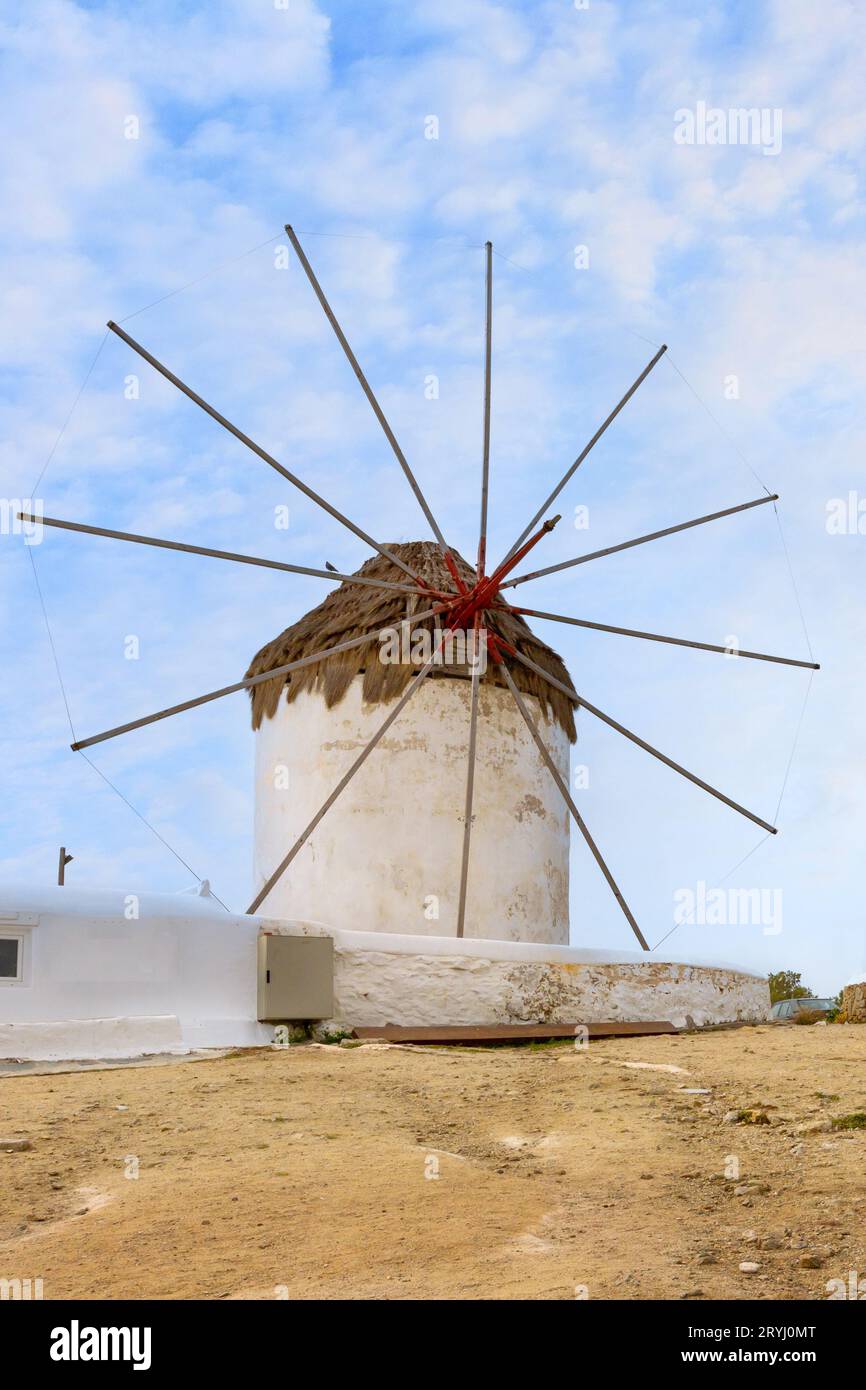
69	901
396	943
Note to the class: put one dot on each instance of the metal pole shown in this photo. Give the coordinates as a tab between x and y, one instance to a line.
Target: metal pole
247	684
61	866
367	389
640	540
641	743
221	554
485	467
470	779
581	456
656	637
345	780
558	779
262	454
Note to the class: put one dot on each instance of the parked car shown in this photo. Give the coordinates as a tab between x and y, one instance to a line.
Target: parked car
787	1008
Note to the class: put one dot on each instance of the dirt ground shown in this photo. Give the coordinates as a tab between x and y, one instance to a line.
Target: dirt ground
379	1172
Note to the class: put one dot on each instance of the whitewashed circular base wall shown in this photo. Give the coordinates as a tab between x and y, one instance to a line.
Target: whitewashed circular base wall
386	857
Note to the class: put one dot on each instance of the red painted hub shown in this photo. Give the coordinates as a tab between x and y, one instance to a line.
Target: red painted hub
465	609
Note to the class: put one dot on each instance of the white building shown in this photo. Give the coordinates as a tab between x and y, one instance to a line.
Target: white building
360	930
87	973
81	978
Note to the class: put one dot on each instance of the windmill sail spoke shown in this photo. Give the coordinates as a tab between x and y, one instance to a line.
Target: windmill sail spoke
368	390
470	783
79	526
566	477
640	540
566	795
641	743
657	637
260	452
345	780
485	466
248	684
462	599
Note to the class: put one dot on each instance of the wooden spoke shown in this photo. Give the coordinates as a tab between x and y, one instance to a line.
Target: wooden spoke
470	777
485	465
640	540
656	637
262	454
591	445
223	554
239	685
641	743
566	795
368	390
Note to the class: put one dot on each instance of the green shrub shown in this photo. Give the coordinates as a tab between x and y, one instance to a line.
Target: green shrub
857	1120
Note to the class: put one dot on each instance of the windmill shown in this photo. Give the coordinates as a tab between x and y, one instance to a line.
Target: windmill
471	601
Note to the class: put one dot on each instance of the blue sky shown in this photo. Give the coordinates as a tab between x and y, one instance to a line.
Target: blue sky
555	130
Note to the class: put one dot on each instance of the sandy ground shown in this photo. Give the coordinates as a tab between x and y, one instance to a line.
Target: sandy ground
310	1172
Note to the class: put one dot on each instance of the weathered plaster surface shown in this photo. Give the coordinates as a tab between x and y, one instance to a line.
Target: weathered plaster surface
386	857
442	981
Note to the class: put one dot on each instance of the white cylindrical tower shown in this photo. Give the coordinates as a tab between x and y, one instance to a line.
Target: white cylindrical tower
386	856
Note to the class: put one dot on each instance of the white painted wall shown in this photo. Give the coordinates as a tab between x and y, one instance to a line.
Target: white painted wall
415	980
99	983
393	840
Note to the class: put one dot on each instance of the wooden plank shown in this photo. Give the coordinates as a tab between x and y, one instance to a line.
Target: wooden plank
510	1032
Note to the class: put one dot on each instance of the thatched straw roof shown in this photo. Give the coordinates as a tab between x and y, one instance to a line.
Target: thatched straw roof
353	609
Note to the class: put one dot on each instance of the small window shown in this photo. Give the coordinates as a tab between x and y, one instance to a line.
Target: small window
10	958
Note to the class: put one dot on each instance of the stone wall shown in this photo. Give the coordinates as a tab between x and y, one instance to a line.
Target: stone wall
854	1003
380	986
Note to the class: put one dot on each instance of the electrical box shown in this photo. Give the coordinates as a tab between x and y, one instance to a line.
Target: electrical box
295	978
